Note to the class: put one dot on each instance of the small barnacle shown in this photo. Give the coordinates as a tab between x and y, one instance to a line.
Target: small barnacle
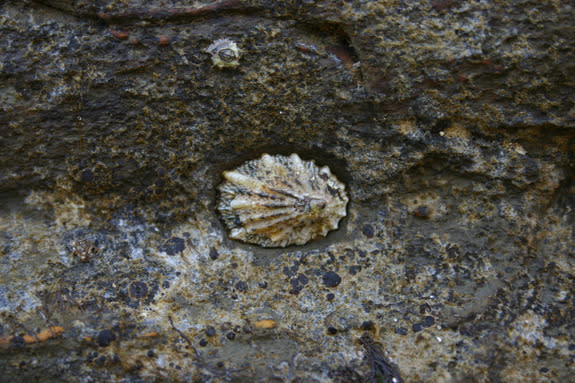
225	53
277	201
84	250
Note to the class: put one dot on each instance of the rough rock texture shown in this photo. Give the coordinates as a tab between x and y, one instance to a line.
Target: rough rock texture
450	121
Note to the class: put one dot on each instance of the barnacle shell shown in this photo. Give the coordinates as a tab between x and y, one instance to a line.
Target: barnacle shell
225	53
277	201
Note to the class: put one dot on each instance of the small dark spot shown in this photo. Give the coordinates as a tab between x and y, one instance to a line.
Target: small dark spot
166	284
440	5
17	341
101	360
220	364
203	343
296	290
452	251
210	331
214	254
263	284
138	290
178	367
114	359
150	353
362	253
91	356
330	297
401	331
242	286
428	321
424	308
367	325
571	347
367	230
354	269
331	279
105	337
368	306
417	327
331	330
544	369
302	279
173	246
422	212
231	335
331	190
234	265
294	282
87	175
290	271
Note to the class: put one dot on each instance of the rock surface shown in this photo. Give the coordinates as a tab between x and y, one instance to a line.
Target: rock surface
450	121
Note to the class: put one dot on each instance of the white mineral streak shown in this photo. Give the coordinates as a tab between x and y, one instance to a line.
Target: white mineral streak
277	201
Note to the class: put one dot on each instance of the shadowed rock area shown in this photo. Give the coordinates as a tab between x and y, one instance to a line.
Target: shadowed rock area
451	123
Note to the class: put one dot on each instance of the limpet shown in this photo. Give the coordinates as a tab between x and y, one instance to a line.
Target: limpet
278	201
225	53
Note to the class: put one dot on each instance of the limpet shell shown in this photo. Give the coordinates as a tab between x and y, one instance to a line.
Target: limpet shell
278	201
225	53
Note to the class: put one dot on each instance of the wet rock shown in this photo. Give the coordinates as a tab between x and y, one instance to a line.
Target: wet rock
450	123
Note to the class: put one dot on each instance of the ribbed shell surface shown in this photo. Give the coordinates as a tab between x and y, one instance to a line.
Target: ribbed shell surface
277	201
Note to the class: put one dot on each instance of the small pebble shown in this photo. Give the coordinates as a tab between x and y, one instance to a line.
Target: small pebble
428	321
242	286
210	331
105	337
331	279
368	231
401	331
367	325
